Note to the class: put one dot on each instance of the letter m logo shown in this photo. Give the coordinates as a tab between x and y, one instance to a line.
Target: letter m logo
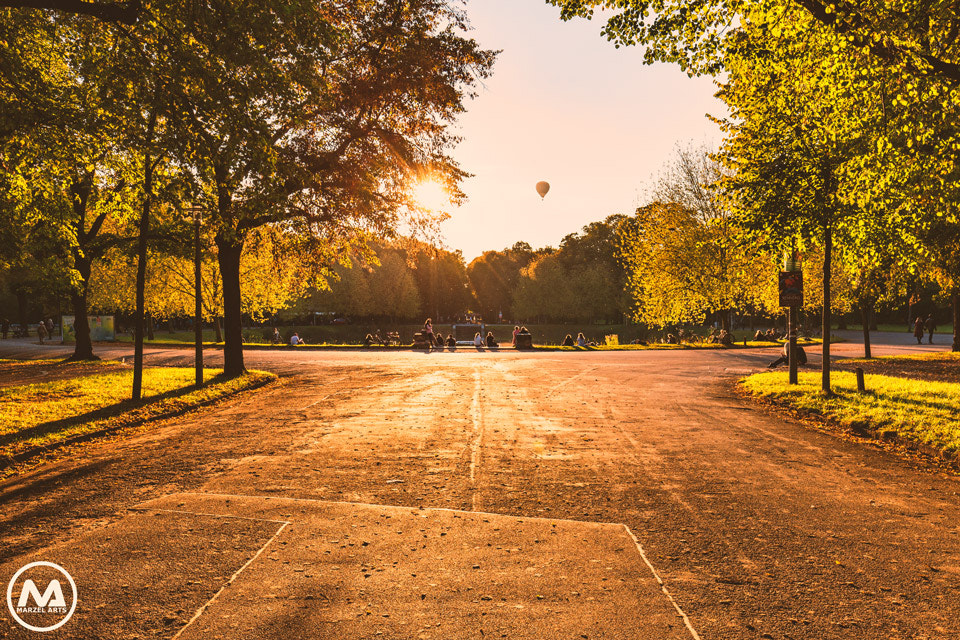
52	597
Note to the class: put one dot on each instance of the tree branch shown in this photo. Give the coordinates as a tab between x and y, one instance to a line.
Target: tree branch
126	12
853	21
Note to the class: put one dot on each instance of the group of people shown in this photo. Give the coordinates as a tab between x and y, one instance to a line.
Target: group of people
581	341
770	334
479	340
44	329
921	326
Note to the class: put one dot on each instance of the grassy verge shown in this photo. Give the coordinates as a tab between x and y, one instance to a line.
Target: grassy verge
39	417
919	411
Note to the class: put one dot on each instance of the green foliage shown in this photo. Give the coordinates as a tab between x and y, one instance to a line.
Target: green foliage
494	276
686	255
581	281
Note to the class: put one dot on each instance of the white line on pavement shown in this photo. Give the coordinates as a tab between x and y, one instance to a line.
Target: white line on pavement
663	587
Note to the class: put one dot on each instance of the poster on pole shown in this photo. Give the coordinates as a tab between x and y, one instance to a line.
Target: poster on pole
791	289
101	328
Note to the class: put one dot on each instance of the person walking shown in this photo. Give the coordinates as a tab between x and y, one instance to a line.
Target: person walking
42	331
918	329
931	326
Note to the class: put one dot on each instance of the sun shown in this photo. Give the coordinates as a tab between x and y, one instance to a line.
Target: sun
432	195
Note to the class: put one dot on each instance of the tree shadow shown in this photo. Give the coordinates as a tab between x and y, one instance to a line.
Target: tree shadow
110	411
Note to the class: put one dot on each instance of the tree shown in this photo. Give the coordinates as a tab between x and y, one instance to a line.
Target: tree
124	12
73	173
685	252
269	272
494	276
582	281
442	281
316	118
903	57
919	39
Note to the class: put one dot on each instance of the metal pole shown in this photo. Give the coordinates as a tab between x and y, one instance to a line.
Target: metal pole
792	322
198	311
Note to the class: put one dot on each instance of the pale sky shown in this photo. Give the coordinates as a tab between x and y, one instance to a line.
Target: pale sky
567	107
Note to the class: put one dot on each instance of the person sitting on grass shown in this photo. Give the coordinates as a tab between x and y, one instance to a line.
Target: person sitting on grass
440	340
478	340
567	341
451	341
296	340
491	341
799	352
368	340
724	338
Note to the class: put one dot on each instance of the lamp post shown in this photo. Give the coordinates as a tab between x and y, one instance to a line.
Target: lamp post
197	212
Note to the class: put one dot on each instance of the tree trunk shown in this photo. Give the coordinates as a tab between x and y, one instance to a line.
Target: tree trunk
827	256
24	319
217	331
865	310
83	350
149	327
956	319
142	267
229	250
725	320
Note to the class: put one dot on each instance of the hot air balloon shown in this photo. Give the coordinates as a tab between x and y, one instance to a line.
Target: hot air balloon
542	188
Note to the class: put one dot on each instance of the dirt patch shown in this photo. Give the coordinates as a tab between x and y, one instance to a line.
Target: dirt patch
17	372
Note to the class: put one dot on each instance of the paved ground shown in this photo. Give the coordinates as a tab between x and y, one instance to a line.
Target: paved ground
261	514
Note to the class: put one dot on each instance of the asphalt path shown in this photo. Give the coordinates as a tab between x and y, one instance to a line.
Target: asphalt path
651	466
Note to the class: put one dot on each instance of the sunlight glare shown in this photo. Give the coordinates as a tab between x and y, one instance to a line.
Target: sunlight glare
432	195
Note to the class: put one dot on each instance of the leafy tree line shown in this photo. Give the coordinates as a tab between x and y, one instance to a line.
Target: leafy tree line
405	280
293	129
842	138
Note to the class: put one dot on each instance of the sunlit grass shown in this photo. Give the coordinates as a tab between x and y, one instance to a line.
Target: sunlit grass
40	414
933	356
920	410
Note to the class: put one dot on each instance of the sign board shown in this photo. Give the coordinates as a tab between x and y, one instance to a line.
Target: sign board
791	289
101	328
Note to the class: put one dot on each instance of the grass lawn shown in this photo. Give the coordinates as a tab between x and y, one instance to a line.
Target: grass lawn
923	411
45	414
